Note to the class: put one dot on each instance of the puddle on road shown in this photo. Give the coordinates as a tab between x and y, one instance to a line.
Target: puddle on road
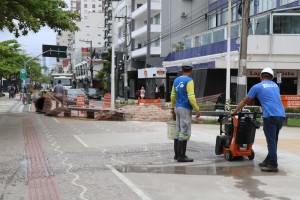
243	172
212	169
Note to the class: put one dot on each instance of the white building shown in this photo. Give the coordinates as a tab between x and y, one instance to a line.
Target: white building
89	40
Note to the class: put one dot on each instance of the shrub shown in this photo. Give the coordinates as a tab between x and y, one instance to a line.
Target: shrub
292	110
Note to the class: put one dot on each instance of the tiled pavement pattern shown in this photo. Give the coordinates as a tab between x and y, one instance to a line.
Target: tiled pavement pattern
83	171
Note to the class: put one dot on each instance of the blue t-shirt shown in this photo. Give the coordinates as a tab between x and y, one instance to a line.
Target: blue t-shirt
268	94
180	85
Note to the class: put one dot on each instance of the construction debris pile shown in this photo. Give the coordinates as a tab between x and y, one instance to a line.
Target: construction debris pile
147	112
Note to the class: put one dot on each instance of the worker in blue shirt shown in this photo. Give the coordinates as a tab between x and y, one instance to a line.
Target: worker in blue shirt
268	94
183	101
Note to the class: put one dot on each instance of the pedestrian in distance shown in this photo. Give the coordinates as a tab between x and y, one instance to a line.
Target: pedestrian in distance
11	91
142	92
267	92
183	101
156	92
162	91
58	92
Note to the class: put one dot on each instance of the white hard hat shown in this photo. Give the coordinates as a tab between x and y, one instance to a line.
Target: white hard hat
267	70
187	65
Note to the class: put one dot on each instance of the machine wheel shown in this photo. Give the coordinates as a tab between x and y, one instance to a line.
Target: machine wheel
251	157
228	155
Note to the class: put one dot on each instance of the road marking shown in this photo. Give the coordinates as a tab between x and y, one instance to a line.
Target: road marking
84	189
139	192
56	120
81	141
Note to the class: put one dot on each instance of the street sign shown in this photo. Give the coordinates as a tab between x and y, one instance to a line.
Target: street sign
279	78
22	74
54	51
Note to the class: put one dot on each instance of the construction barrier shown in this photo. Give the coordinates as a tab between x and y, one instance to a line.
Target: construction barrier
290	101
107	100
80	101
149	101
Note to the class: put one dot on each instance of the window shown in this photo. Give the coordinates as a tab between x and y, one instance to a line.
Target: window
93	6
219	35
233	12
286	24
157	19
212	23
251	11
156	43
188	43
219	21
264	5
235	31
206	38
260	26
284	2
85	5
197	41
224	16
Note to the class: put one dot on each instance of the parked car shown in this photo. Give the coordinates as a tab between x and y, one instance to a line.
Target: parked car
72	96
93	93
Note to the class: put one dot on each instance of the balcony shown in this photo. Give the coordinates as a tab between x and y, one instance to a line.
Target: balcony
277	51
142	52
141	12
141	33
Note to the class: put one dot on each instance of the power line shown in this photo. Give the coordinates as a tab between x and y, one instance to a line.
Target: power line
178	28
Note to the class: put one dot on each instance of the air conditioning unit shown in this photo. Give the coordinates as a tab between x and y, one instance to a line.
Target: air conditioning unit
183	14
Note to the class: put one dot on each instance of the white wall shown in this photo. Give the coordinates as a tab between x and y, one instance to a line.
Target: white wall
92	30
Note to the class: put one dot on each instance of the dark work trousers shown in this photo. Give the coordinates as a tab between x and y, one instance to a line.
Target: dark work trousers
272	126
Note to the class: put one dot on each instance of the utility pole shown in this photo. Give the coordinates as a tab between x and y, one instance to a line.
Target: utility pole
91	64
148	55
112	78
242	79
227	103
125	59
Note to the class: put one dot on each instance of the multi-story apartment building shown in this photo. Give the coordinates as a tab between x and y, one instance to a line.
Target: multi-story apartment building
139	31
90	37
273	41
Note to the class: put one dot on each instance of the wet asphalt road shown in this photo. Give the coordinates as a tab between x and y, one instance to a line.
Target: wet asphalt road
134	160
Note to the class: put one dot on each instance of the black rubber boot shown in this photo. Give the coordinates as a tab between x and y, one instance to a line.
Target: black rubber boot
181	152
265	162
176	149
269	168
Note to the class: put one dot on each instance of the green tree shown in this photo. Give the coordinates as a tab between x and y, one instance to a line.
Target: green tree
179	46
105	72
22	16
12	60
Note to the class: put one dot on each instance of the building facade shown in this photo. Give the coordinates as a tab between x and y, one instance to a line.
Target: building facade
85	45
272	42
139	40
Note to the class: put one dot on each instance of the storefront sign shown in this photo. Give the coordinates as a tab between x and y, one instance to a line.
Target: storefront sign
290	101
284	73
154	72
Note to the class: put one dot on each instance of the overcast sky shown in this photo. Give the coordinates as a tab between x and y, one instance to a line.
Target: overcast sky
33	42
